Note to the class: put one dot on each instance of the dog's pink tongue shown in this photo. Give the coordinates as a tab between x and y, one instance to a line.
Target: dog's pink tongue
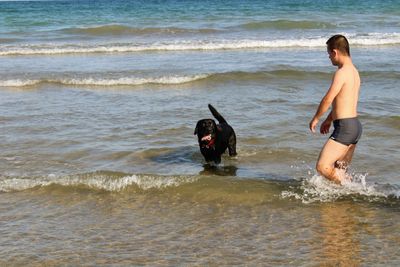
206	138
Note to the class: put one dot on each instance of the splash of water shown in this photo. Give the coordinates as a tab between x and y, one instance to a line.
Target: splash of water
318	189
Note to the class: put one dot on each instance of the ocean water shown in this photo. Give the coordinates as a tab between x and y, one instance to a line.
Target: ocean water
99	164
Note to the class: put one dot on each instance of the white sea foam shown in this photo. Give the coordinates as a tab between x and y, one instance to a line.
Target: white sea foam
133	81
19	184
95	181
173	46
104	182
375	39
370	39
319	189
18	82
105	82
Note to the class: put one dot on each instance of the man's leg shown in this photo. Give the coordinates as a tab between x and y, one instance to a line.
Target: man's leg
344	162
330	154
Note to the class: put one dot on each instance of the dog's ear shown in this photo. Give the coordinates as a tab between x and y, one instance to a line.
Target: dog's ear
197	128
219	128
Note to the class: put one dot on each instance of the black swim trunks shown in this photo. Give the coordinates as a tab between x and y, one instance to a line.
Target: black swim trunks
347	131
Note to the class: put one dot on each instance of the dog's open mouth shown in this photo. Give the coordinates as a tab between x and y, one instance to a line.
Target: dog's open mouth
208	141
206	138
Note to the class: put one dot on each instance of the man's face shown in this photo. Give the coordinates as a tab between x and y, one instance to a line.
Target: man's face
332	56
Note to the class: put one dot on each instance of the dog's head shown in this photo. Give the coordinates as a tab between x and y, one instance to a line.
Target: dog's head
206	131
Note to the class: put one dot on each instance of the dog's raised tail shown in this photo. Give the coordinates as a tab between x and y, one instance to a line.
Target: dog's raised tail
216	114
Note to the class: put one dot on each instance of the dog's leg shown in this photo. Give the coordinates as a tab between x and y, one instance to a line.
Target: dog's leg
232	145
217	159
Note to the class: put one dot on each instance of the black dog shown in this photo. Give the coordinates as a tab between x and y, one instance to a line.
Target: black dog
215	139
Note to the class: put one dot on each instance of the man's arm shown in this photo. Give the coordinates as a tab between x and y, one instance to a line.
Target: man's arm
326	102
324	129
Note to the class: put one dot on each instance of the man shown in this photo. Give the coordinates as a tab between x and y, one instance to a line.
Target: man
343	96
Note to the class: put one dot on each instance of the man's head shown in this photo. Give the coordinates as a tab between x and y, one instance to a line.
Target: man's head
337	45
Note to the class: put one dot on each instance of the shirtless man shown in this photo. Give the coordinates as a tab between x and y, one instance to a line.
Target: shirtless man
343	96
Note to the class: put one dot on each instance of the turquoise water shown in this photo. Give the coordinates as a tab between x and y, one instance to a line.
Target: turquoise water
99	164
91	39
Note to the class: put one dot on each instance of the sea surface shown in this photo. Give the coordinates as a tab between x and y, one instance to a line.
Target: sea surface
99	165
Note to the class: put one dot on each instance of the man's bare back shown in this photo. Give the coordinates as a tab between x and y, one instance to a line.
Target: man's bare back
345	102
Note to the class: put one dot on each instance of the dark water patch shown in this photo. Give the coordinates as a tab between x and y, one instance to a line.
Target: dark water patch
288	25
210	169
287	75
117	29
8	40
173	156
373	75
389	121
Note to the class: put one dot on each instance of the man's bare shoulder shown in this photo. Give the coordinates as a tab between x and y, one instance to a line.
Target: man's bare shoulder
346	72
340	75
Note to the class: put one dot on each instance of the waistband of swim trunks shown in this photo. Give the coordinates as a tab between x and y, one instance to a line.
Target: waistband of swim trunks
345	119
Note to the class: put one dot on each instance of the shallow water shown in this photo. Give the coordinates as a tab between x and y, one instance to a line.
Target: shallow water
213	221
99	164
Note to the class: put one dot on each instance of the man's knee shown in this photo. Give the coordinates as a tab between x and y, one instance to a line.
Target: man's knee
323	168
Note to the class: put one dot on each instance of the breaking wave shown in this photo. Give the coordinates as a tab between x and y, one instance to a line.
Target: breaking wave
373	39
211	187
100	79
108	181
90	81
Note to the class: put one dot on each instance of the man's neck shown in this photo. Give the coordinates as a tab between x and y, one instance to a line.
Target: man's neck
345	60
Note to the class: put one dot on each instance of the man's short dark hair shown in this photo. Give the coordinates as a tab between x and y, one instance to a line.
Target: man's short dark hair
340	43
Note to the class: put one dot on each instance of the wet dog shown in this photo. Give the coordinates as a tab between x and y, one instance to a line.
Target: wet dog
215	138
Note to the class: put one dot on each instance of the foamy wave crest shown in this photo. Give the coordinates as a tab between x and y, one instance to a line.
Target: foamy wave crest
98	181
18	83
105	82
173	46
319	189
132	81
362	40
375	39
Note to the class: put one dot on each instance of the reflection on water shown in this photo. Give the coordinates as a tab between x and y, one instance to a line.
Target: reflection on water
340	235
210	169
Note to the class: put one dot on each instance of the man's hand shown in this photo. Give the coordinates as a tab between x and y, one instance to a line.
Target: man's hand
313	124
324	129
